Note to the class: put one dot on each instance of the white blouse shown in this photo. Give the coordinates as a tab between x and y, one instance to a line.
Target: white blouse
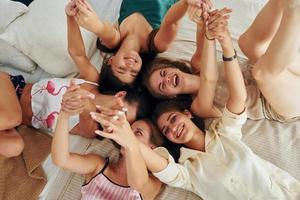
228	169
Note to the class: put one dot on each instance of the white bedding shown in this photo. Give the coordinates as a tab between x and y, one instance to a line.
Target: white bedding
273	141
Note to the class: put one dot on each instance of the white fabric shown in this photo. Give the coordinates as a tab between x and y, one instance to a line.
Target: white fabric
46	97
9	11
41	34
228	169
9	55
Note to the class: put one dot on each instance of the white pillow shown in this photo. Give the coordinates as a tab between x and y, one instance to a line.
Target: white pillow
9	11
41	34
9	55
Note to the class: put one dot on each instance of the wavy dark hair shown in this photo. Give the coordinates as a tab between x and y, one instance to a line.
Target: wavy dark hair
109	83
162	63
175	105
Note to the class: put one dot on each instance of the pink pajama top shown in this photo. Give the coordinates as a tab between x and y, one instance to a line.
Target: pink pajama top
101	187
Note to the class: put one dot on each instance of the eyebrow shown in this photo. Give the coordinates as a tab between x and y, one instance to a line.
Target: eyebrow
139	129
169	116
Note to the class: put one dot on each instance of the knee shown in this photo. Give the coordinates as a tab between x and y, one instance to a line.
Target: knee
15	148
247	48
11	119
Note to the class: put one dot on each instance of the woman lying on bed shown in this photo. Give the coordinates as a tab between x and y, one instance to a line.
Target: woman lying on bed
214	164
145	28
272	43
38	105
103	179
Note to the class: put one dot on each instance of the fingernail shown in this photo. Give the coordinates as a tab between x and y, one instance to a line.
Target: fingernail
93	114
124	109
120	112
92	96
115	117
97	132
109	129
98	106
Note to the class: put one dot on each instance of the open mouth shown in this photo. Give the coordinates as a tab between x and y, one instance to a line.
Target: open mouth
180	130
175	80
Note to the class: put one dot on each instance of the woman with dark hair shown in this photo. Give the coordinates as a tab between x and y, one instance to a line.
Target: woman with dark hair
271	44
216	163
145	28
105	179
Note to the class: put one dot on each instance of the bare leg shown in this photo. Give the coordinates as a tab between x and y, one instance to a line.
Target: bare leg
255	41
277	72
11	143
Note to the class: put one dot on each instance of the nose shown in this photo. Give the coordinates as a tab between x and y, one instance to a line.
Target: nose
173	128
166	79
129	64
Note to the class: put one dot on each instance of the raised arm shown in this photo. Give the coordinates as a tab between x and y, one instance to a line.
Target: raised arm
88	19
76	46
82	164
203	103
234	76
137	174
170	23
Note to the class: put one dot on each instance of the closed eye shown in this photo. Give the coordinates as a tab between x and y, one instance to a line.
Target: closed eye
162	73
173	119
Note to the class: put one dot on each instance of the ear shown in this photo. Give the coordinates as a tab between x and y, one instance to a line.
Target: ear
152	146
110	60
187	113
121	94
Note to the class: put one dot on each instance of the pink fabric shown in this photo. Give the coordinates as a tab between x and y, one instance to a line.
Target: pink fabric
100	187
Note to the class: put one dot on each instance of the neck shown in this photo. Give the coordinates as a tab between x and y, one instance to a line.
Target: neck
120	168
192	84
198	141
130	43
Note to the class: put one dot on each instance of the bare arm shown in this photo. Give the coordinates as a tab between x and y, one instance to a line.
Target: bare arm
137	174
196	59
234	76
89	20
203	104
83	164
170	23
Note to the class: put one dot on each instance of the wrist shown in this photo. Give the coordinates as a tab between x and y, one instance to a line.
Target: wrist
64	115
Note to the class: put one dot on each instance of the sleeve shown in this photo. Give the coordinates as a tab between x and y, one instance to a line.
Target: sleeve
174	174
231	124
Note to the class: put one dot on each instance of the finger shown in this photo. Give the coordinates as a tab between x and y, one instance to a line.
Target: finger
104	134
109	111
82	7
87	5
103	122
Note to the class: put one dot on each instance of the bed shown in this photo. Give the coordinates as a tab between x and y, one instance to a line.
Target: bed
276	142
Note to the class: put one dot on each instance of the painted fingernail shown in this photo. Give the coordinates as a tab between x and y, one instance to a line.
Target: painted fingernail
115	117
98	106
120	112
92	96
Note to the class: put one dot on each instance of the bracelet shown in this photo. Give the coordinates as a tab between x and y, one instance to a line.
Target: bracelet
228	59
208	37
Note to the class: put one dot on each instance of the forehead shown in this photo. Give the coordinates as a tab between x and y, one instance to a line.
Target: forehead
142	125
163	118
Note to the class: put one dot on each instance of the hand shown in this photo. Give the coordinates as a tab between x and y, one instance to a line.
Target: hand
75	99
216	25
87	17
71	8
116	126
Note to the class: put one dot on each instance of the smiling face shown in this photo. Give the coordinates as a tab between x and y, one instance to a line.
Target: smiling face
142	131
176	126
126	66
167	82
